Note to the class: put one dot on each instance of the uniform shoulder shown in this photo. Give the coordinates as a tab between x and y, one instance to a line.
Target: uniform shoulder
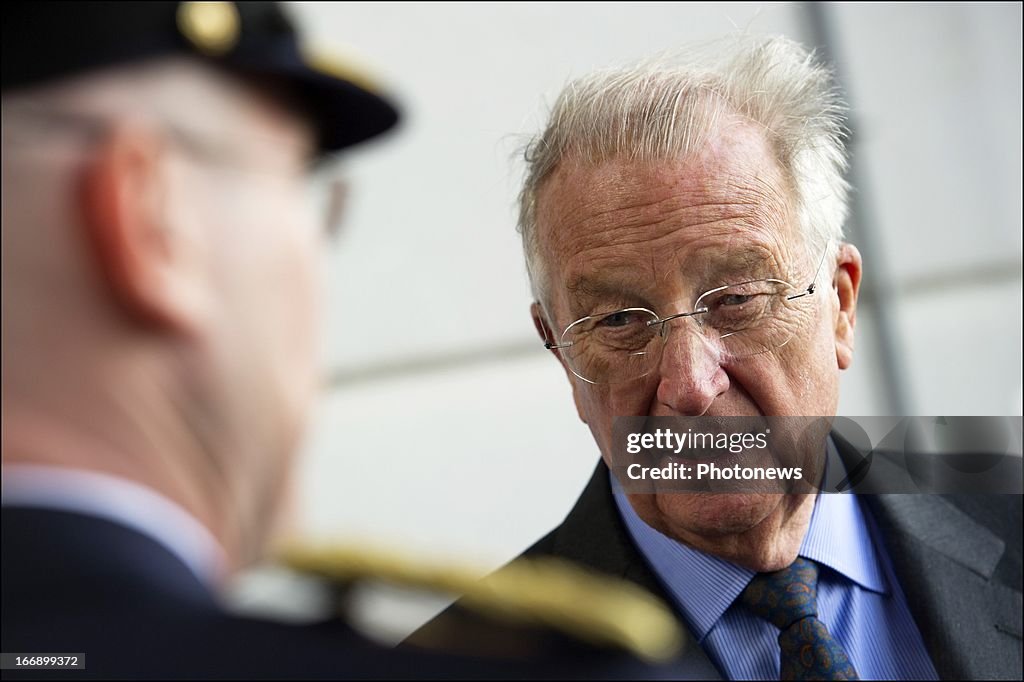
533	606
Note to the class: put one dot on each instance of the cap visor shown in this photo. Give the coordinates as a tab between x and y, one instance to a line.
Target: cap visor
344	113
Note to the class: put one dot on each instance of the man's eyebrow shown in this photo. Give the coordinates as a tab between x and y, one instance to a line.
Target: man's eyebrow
587	287
745	263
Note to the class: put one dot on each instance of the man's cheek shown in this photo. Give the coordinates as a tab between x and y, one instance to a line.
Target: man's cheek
633	398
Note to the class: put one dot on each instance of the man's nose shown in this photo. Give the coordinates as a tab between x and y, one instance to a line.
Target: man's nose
691	375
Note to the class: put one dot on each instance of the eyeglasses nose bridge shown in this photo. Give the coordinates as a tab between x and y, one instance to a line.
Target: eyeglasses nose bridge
663	322
707	337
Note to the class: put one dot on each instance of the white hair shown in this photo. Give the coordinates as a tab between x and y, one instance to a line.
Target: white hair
668	107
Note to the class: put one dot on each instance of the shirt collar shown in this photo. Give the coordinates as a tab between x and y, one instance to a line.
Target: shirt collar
704	586
839	538
122	501
839	534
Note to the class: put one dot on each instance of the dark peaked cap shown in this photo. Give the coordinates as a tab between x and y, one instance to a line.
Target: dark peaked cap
45	41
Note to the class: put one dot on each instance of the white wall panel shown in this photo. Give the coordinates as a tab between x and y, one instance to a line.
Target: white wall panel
937	91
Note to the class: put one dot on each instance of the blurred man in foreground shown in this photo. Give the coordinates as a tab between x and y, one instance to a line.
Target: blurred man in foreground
159	319
682	224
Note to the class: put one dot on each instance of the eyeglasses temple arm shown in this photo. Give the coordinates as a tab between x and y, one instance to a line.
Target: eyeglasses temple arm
810	287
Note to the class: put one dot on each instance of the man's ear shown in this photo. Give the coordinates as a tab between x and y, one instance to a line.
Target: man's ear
147	263
846	286
540	323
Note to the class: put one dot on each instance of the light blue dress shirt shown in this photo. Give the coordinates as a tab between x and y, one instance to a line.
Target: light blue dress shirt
859	597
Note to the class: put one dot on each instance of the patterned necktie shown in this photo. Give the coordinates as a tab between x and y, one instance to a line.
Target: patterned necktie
789	599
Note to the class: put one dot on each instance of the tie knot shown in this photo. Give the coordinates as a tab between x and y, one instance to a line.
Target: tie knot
785	596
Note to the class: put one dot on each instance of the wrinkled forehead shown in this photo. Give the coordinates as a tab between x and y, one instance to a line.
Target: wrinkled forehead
722	212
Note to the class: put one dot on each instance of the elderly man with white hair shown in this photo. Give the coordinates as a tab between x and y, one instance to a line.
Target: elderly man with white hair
663	204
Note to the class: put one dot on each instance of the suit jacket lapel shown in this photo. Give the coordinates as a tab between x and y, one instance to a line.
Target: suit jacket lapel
945	563
594	535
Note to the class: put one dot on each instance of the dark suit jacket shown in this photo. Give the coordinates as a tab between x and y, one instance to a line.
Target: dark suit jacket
958	560
80	584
